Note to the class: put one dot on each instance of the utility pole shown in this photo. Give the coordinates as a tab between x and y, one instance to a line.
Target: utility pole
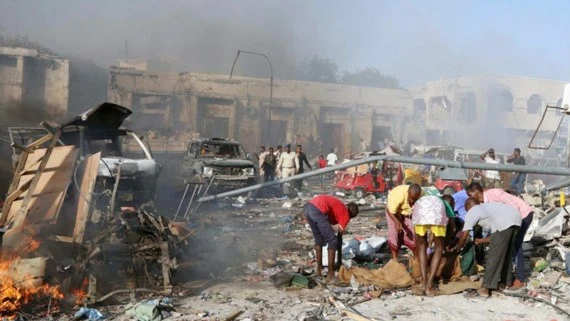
268	142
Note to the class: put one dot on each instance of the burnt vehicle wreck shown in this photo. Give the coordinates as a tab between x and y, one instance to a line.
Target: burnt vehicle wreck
219	161
99	130
78	215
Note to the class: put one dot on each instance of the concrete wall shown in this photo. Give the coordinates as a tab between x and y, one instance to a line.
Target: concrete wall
33	79
239	107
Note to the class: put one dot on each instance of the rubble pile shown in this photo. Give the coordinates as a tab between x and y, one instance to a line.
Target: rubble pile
77	225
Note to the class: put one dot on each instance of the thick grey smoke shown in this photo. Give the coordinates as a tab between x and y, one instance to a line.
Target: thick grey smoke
414	41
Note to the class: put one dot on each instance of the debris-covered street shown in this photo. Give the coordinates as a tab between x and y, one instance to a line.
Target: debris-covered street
246	259
284	160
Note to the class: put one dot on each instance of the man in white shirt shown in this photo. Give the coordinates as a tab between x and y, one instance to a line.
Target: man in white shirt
262	154
287	166
332	159
492	178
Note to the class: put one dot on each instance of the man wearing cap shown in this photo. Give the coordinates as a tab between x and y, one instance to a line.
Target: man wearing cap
287	165
492	178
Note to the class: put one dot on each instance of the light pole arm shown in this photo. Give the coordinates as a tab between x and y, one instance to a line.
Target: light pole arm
270	86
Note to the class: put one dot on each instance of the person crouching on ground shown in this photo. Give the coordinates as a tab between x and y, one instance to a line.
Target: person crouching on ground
429	214
328	217
399	205
504	222
526	212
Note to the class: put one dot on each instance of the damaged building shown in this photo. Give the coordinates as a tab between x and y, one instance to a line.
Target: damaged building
216	106
507	108
30	78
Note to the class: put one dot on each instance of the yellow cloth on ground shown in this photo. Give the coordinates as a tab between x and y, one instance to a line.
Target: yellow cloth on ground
436	230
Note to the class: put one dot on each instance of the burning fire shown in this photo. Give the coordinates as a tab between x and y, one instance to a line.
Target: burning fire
80	294
14	295
20	287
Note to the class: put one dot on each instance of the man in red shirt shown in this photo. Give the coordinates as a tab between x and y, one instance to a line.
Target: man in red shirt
322	164
328	217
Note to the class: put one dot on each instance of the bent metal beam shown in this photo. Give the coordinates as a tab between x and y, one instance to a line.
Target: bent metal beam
400	159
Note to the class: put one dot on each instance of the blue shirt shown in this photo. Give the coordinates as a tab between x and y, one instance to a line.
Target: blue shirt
460	198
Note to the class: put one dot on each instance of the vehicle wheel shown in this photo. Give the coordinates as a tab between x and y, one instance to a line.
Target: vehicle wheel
359	193
448	191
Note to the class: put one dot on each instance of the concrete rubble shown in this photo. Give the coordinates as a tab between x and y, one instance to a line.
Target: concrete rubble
237	258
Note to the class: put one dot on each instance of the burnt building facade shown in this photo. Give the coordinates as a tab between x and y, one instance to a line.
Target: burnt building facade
34	80
319	116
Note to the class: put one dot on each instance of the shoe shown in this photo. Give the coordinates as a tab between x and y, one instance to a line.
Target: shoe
517	285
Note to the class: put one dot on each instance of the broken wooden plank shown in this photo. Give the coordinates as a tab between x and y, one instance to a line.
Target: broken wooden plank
52	184
15	182
89	175
22	212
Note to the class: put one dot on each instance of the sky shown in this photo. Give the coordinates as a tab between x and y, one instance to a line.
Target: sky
416	41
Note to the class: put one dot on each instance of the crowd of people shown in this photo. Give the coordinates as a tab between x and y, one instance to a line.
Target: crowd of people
480	216
282	163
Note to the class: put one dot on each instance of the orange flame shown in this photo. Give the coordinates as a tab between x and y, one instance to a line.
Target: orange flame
14	296
16	292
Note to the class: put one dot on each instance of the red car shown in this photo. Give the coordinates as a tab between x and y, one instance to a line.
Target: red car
361	181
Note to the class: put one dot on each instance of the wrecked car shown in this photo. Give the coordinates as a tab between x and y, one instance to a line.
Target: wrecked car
124	154
220	160
61	226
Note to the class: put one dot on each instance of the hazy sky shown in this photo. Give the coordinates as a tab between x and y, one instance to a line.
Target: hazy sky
413	40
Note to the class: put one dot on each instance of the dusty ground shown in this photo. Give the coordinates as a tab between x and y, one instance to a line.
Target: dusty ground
220	277
217	282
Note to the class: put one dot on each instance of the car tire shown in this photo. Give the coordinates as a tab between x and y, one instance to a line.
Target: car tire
359	193
448	191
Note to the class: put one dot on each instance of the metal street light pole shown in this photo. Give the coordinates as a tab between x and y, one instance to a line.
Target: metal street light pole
270	87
